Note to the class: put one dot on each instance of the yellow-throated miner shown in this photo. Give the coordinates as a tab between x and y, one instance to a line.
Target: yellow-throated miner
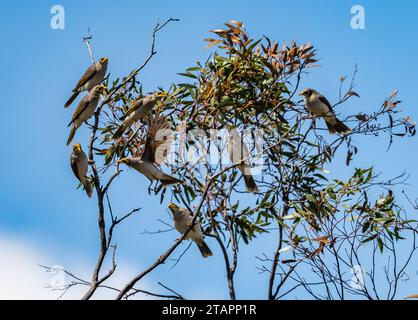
93	76
319	106
182	221
79	164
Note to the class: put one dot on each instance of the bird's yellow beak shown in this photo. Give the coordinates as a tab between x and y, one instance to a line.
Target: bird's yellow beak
104	59
306	93
172	206
77	147
161	94
123	160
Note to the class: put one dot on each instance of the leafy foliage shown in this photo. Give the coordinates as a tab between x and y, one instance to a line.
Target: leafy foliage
251	84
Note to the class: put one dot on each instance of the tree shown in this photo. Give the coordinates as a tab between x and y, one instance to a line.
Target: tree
248	90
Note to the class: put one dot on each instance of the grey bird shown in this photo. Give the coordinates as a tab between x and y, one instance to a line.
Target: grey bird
138	110
157	144
239	154
85	109
319	106
79	164
182	221
93	76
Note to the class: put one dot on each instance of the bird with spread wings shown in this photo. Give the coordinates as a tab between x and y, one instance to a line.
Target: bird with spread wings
155	152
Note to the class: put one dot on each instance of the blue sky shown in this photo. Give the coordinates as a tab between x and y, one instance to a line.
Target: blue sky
38	201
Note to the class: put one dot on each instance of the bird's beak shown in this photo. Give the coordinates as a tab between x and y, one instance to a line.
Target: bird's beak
161	94
172	206
100	89
77	147
123	160
302	94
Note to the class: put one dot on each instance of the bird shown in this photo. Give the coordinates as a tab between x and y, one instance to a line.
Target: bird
319	106
93	76
238	153
138	110
85	109
158	141
79	164
182	221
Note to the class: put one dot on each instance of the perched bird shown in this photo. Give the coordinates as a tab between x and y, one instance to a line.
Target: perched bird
182	221
159	138
138	110
79	164
319	106
238	153
85	109
93	76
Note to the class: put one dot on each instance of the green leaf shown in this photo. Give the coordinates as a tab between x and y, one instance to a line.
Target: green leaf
380	244
189	75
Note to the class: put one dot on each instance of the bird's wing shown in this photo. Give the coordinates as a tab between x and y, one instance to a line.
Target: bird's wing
159	139
84	103
163	142
137	103
186	214
196	231
148	154
90	72
74	165
326	102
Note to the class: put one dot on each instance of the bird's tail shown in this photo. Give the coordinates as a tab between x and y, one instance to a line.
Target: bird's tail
118	134
169	180
336	126
204	249
71	100
250	183
72	133
88	187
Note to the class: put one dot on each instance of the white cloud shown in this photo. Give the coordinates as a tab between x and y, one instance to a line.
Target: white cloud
21	277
